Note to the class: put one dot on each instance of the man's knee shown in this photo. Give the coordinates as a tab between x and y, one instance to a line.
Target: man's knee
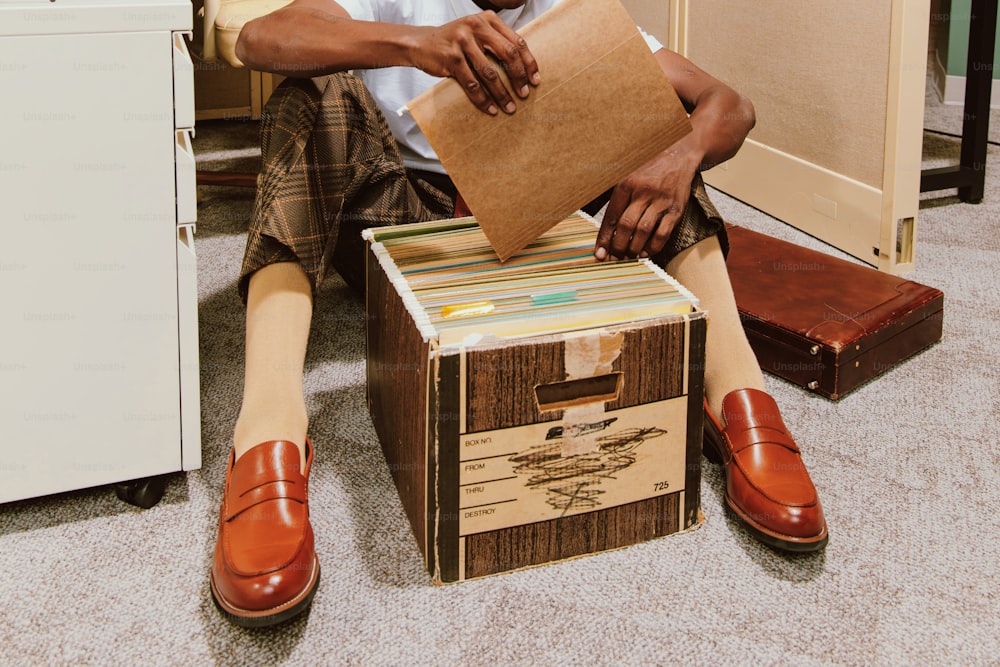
705	256
291	92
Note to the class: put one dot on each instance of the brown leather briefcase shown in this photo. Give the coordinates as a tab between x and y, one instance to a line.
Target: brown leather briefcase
824	323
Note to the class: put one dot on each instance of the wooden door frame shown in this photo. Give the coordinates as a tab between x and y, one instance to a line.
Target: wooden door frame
878	226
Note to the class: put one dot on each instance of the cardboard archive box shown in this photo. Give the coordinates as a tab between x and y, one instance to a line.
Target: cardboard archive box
509	452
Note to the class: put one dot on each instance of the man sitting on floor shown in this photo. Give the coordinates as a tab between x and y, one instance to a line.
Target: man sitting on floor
338	159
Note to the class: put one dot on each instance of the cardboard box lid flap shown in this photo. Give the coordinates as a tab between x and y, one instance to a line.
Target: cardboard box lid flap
602	109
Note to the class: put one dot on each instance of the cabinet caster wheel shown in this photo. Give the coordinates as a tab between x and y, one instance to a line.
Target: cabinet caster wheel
142	493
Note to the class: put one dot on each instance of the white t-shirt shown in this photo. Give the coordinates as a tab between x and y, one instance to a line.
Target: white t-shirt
394	87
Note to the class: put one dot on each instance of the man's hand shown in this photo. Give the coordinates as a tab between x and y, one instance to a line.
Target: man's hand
646	206
470	50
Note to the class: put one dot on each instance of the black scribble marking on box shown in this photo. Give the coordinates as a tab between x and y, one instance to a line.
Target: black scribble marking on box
580	429
573	482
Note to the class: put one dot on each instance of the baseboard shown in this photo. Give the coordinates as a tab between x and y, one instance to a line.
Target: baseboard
954	91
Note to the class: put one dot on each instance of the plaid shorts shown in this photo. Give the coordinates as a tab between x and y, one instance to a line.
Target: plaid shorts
331	168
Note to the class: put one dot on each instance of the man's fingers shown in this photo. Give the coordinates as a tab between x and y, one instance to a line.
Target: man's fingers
474	89
485	57
486	72
620	219
668	221
627	227
518	61
605	236
643	231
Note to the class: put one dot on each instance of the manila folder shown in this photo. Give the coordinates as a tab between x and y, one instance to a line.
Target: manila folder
603	108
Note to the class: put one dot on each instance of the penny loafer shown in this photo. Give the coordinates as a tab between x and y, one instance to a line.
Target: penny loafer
767	485
265	569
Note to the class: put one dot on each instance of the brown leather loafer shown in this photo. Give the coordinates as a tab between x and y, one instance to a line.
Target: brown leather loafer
265	568
767	485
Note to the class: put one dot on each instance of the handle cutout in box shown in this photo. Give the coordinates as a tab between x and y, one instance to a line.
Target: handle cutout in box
582	391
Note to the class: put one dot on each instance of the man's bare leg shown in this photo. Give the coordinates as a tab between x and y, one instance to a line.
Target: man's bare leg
279	313
265	569
730	363
767	485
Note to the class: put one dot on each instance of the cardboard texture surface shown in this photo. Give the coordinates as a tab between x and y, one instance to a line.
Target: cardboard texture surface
602	109
509	453
822	322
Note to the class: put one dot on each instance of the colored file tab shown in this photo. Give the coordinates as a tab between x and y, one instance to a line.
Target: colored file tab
467	309
555	297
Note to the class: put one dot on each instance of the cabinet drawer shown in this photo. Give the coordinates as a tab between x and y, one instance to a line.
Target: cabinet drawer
183	83
187	205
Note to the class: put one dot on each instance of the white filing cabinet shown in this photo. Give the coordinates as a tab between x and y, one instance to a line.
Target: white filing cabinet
98	302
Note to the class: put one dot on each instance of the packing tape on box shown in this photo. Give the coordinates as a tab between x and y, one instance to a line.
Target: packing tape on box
587	356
